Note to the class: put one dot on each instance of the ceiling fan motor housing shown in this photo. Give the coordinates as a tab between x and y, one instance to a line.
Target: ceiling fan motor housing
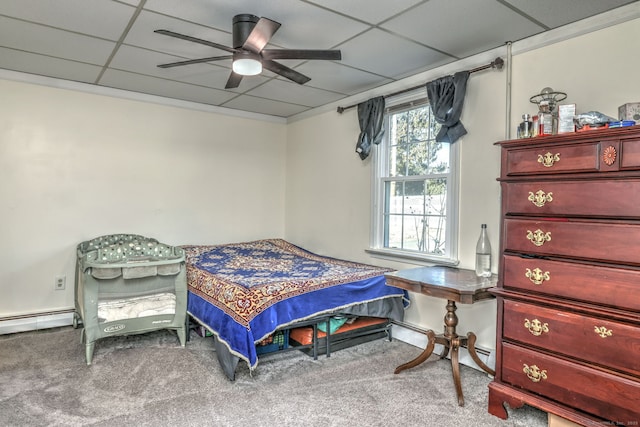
242	26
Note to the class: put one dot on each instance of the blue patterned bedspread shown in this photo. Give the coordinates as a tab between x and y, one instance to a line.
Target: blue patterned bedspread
245	291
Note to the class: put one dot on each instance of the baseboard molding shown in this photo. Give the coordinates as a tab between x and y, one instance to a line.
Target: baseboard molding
32	322
419	339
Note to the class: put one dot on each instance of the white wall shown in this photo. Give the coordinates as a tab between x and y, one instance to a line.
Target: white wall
328	186
76	165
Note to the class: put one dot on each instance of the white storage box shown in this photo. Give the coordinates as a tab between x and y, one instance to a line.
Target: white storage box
630	111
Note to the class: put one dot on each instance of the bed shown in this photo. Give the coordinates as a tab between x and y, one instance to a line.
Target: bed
243	292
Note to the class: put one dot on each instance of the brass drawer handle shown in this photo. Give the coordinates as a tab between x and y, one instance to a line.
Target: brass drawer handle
548	159
537	276
538	237
534	373
602	331
536	327
540	198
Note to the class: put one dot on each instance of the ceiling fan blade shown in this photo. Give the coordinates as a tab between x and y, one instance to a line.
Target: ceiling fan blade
233	81
195	40
285	71
264	29
301	54
195	61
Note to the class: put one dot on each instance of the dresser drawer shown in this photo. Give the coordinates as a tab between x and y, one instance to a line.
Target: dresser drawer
583	337
615	242
596	392
614	287
630	150
552	159
595	198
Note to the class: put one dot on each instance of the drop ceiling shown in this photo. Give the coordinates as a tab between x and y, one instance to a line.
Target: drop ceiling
112	43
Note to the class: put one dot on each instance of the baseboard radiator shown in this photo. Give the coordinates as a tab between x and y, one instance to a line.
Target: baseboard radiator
36	321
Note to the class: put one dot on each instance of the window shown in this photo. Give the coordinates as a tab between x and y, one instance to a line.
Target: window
415	200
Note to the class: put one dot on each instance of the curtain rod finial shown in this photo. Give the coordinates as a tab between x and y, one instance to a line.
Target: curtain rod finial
498	63
340	110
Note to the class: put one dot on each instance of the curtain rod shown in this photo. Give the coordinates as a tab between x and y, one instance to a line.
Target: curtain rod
496	63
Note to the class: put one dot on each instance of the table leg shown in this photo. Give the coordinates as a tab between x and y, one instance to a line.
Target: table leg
451	343
450	324
423	356
471	346
455	369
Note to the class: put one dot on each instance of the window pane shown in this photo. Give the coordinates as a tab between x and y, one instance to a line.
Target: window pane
434	127
417	161
436	233
393	235
436	196
414	199
438	157
397	160
414	232
394	198
417	122
398	144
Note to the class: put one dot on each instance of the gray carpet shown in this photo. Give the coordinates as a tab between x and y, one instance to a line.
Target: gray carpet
149	380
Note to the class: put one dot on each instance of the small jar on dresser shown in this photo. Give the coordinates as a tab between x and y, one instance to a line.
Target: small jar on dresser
568	338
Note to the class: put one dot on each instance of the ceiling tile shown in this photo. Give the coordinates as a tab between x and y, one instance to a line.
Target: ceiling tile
336	77
142	34
264	106
553	13
161	87
366	10
32	63
106	19
294	93
143	61
393	55
431	22
49	41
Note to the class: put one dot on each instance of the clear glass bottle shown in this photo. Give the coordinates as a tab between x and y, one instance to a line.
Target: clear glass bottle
525	127
547	122
483	254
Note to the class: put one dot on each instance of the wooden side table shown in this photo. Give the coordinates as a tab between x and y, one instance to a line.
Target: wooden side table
454	285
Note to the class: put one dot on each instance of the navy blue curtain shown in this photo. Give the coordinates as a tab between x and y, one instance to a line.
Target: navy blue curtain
370	116
446	96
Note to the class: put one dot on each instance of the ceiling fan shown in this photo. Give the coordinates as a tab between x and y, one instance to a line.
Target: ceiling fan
250	35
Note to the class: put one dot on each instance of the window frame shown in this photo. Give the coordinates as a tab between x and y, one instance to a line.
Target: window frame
380	174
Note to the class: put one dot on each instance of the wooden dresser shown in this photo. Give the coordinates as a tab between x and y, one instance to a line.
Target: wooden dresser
568	339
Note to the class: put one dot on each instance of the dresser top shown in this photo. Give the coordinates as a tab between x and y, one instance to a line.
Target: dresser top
586	136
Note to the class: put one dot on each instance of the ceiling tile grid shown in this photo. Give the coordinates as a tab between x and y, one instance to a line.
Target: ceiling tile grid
112	43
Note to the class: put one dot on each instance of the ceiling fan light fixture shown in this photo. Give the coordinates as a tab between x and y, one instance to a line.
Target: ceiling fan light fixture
246	64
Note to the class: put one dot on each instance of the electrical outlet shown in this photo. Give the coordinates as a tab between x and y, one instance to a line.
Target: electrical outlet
60	283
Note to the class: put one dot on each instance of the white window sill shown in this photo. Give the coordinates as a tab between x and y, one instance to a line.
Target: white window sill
411	257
